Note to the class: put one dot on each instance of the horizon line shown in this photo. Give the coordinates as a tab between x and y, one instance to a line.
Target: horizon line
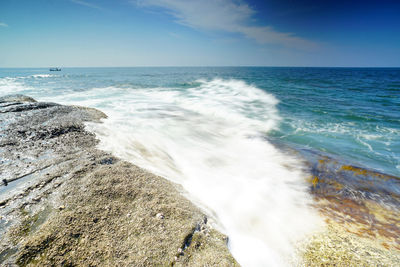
204	66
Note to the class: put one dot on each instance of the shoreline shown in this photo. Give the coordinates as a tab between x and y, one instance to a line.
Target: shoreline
78	205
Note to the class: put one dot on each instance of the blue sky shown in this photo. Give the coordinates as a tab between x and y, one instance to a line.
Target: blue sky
42	33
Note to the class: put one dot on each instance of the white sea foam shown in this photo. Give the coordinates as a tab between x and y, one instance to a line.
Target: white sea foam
377	141
10	85
28	85
42	75
210	139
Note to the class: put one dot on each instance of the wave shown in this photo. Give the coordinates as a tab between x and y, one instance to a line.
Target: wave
20	85
42	76
209	138
36	85
9	85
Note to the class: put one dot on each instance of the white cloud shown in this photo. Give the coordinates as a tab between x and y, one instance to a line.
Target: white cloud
2	24
226	15
84	3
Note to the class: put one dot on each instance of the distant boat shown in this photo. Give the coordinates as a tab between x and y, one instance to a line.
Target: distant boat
55	69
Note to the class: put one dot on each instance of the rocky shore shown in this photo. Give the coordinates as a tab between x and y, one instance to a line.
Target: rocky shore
65	203
361	210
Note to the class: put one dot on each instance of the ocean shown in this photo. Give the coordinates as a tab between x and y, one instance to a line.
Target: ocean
237	139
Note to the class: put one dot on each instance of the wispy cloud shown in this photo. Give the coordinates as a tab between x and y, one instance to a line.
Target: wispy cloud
85	3
2	24
233	16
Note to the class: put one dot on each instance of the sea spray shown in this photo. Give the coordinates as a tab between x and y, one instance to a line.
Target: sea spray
354	117
210	139
209	136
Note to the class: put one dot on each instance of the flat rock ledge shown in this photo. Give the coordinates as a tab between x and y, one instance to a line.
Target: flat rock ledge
65	203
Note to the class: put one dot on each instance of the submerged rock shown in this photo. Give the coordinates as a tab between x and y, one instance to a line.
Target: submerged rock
361	208
69	206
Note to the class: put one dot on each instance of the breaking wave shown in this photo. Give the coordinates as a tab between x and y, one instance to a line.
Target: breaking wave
210	139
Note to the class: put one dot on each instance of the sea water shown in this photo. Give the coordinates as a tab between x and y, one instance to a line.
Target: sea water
216	131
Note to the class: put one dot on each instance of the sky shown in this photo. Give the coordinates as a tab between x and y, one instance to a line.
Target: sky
112	33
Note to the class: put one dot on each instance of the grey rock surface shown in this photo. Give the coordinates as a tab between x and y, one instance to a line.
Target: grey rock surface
64	202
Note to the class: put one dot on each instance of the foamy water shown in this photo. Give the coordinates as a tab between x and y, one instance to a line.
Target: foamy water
210	139
209	135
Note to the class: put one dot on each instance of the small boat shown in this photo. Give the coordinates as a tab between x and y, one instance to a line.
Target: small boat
55	69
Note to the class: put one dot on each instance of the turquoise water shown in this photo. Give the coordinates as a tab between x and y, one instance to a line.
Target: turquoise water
348	112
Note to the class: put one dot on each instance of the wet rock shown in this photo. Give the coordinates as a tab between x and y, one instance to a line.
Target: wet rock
26	107
107	161
63	173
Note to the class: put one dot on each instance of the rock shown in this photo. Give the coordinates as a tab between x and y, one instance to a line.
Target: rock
10	99
160	216
107	161
19	107
99	198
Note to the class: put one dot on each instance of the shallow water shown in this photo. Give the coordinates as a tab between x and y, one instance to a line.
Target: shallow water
219	133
